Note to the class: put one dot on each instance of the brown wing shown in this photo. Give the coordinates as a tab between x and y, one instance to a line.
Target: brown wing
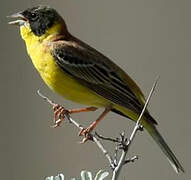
99	74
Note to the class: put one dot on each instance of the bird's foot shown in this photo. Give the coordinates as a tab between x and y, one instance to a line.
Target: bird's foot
59	115
60	112
86	132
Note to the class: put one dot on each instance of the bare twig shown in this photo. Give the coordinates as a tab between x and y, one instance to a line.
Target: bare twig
116	155
137	127
105	152
131	159
45	98
116	140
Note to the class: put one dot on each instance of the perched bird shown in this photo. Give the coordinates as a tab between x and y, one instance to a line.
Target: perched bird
80	73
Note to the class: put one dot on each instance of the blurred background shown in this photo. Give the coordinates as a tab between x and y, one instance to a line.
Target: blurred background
146	38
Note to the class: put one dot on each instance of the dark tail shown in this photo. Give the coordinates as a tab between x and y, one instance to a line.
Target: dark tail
164	147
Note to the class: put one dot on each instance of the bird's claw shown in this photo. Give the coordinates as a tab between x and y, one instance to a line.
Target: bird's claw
59	115
86	138
57	123
86	132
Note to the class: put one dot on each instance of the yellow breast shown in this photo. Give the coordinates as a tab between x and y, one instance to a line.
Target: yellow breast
55	77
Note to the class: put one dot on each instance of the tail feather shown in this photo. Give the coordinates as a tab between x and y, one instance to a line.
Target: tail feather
165	148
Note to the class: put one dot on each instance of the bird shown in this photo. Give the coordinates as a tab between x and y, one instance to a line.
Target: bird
80	73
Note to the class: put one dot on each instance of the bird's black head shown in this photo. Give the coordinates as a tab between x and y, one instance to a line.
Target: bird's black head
40	18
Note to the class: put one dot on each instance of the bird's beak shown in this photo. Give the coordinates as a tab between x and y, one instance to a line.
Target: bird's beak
21	20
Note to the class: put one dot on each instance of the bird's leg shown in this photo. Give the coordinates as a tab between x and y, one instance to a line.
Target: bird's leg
86	109
60	111
85	132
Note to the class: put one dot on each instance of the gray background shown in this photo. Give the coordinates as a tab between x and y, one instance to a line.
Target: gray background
146	38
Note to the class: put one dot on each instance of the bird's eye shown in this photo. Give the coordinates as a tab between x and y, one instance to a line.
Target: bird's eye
33	16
